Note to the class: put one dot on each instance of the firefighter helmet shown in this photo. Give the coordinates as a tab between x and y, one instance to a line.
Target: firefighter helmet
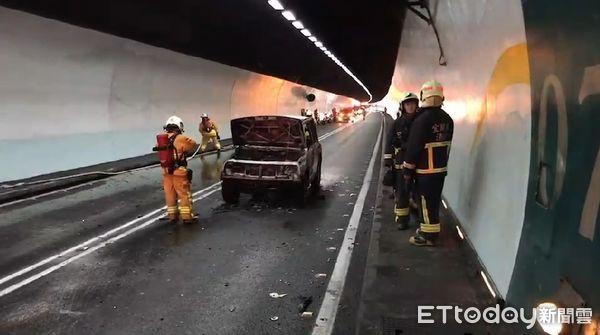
432	94
204	115
407	97
174	121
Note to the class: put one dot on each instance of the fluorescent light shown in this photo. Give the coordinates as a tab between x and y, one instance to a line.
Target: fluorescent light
298	25
288	15
487	283
276	4
444	203
460	234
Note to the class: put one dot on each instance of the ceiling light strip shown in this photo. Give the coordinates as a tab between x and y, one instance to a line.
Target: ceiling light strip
298	25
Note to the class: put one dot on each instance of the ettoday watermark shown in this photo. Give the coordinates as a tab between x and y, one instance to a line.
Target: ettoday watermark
496	315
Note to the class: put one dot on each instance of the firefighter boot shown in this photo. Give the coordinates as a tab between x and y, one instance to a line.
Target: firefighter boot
194	219
402	222
402	217
420	241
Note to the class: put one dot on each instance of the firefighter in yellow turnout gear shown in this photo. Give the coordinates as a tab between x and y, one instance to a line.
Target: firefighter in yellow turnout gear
177	179
396	147
210	134
426	160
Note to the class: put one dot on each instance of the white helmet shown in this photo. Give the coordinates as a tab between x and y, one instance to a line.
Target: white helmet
204	115
175	121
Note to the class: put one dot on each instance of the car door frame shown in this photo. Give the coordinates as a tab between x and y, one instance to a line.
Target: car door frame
314	151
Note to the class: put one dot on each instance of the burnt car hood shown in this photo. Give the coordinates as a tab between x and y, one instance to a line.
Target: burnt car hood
268	154
272	131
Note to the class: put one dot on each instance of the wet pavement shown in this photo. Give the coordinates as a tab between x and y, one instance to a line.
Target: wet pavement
213	277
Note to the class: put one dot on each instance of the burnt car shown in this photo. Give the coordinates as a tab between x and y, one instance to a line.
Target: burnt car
273	153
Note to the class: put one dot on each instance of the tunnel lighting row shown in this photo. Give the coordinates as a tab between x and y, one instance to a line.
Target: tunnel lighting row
304	31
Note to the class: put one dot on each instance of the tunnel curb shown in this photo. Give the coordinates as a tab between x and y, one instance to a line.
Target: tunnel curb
15	190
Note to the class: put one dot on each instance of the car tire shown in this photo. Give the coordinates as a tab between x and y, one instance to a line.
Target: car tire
303	192
230	192
315	186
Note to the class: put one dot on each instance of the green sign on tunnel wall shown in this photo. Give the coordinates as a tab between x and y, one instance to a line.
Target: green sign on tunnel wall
561	233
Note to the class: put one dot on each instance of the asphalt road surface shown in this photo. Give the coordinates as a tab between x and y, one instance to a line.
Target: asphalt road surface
96	259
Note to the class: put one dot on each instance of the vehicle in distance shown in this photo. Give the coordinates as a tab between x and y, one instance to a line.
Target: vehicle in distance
273	153
345	115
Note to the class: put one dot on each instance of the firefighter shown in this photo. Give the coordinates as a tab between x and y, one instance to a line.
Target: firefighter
396	146
426	160
210	134
177	177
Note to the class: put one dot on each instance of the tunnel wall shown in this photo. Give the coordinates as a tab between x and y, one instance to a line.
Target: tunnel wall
486	185
522	83
72	97
561	238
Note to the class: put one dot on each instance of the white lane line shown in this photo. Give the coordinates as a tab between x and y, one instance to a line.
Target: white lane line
326	318
89	251
331	133
94	239
111	232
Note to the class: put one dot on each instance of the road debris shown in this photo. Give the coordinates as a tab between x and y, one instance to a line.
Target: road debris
320	275
340	229
331	249
232	308
346	215
277	295
307	314
274	318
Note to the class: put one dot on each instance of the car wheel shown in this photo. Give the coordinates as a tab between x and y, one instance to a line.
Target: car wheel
315	187
303	192
230	192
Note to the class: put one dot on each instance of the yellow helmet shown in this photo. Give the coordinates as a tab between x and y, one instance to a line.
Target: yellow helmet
432	88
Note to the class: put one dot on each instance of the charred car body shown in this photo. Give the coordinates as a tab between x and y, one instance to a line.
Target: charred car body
273	152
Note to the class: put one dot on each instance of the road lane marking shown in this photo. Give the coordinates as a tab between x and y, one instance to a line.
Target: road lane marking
331	133
104	236
326	318
90	250
94	239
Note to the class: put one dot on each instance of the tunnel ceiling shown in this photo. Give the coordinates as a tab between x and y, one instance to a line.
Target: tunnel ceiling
250	34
